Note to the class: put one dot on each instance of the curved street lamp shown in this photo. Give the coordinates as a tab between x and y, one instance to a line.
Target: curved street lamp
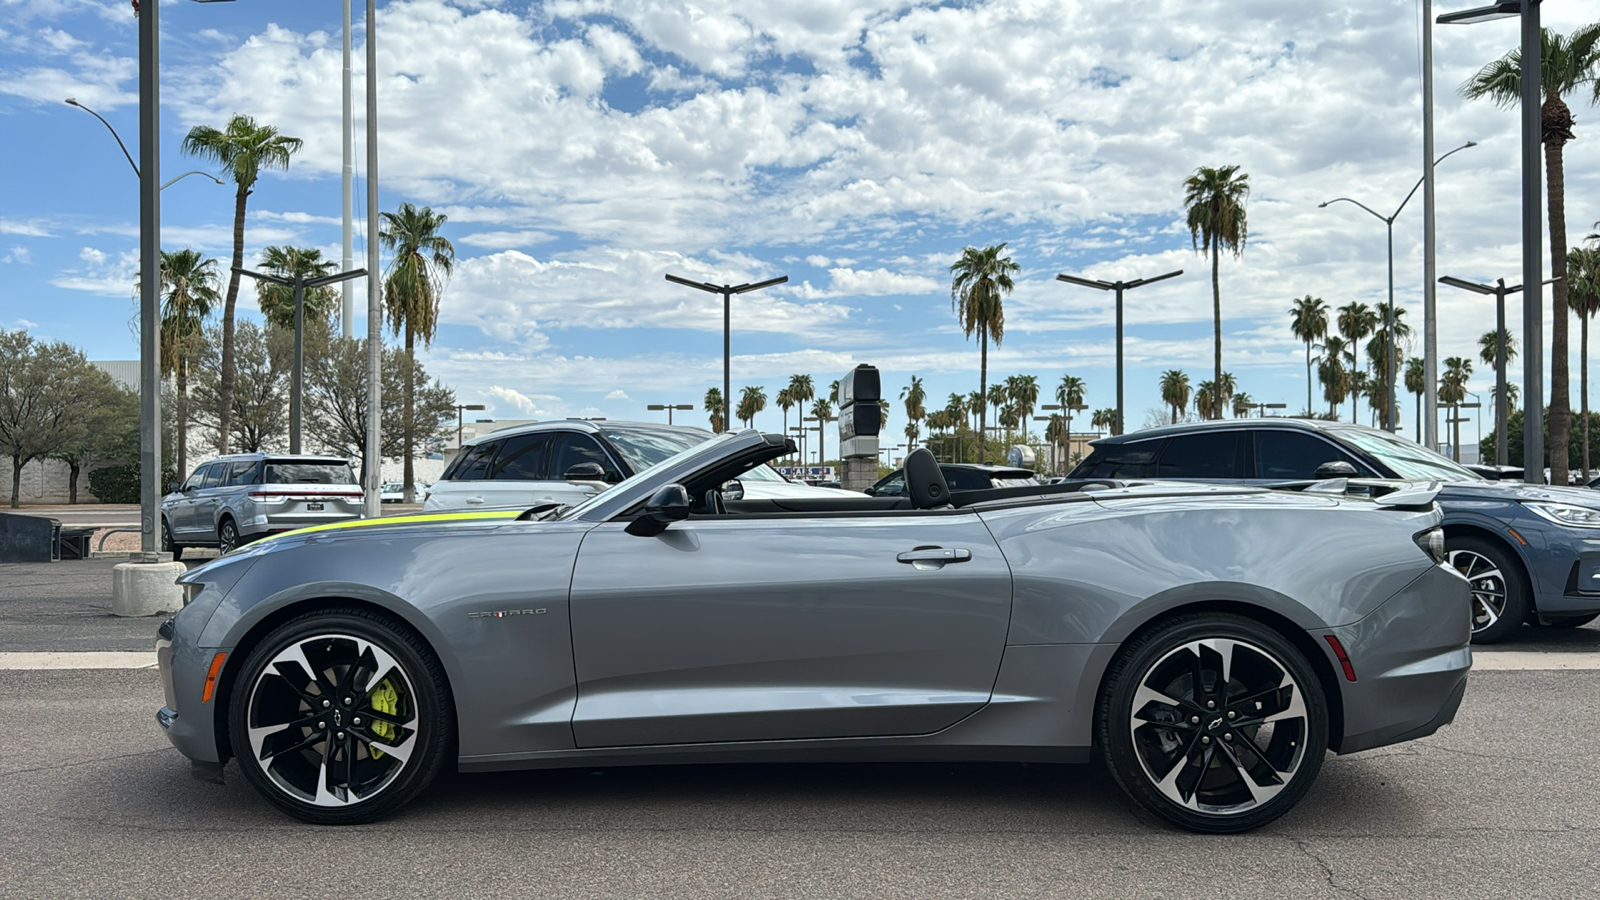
170	182
1393	418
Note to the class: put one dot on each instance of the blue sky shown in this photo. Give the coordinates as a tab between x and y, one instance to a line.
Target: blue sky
583	148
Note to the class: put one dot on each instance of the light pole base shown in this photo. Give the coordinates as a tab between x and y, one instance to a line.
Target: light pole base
145	589
859	472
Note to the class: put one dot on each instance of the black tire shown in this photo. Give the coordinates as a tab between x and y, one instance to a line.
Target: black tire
1564	621
341	781
1499	587
167	546
227	535
1186	762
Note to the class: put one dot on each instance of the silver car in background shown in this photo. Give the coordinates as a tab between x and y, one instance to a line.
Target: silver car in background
232	500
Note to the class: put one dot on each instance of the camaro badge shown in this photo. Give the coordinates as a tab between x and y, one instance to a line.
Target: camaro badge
503	613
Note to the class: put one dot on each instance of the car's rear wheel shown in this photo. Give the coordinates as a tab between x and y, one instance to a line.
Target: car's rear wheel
341	717
167	546
227	535
1499	596
1213	722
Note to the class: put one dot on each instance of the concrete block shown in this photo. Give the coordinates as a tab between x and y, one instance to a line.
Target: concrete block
144	589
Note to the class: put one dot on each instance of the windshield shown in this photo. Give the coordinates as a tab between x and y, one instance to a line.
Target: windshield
642	449
1407	459
707	449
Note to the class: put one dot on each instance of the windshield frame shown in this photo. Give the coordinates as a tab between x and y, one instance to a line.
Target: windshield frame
1409	461
603	505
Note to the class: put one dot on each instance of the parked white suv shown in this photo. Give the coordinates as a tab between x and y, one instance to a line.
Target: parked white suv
232	500
571	460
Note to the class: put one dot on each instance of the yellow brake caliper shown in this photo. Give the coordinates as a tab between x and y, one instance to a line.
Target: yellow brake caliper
385	699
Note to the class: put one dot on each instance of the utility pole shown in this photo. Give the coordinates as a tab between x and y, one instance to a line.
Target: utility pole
374	481
347	308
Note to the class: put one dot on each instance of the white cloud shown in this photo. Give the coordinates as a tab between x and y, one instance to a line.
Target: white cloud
618	395
19	255
522	403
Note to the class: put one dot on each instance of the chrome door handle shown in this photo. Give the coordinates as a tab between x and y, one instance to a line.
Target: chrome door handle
935	555
474	501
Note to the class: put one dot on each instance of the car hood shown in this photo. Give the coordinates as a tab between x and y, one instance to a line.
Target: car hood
1517	491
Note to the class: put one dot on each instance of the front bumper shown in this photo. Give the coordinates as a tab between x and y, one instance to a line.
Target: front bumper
1411	657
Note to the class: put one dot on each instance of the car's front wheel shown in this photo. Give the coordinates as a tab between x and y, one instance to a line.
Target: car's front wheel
341	717
1213	722
1499	596
167	546
227	536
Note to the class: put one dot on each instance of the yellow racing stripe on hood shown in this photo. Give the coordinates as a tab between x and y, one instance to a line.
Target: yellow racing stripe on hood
403	520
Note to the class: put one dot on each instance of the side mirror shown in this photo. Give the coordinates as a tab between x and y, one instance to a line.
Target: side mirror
1335	469
670	504
733	490
585	471
173	487
870	491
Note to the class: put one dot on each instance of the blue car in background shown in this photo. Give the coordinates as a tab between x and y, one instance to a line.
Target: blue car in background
1532	552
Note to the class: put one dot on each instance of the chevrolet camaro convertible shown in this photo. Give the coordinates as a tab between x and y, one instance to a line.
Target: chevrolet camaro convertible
1211	643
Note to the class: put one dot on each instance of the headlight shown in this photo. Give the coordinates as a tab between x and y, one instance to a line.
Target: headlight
1432	543
1566	514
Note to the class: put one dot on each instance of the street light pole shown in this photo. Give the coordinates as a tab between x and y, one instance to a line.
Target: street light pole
669	407
1392	419
149	279
347	303
459	408
1532	209
727	291
374	480
297	375
1118	287
1502	401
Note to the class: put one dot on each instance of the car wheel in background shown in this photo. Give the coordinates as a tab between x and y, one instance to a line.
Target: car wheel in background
227	535
1499	594
340	717
167	546
1213	722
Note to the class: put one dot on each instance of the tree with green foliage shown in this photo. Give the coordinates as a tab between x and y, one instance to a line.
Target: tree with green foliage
45	389
714	409
1308	319
1175	392
1214	200
980	281
1583	292
421	265
336	400
188	294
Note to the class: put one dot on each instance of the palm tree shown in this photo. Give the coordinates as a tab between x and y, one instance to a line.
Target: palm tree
1242	404
713	406
296	263
803	391
1308	319
1417	383
955	410
974	407
1356	321
785	401
1332	373
916	399
1024	391
1175	391
1103	418
1378	349
981	279
824	413
189	291
1215	201
244	149
1566	63
1229	386
997	399
1204	401
422	261
1069	393
1055	431
1583	292
912	433
1452	391
752	400
1488	346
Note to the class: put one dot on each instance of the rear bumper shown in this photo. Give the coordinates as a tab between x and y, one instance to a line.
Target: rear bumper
1411	657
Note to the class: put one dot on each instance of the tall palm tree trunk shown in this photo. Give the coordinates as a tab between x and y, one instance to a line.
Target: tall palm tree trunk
410	425
1560	391
1419	425
1308	376
225	389
1216	318
983	391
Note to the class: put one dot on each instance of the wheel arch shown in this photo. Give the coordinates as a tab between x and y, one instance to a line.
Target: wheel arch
270	621
1315	654
1469	529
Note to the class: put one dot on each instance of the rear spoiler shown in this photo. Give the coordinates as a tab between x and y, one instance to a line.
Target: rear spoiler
1410	495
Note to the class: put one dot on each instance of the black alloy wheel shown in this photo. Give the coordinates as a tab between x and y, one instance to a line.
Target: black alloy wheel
1213	722
1499	594
167	546
227	535
341	717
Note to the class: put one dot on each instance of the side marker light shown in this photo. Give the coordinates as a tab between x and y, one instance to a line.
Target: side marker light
216	670
1344	659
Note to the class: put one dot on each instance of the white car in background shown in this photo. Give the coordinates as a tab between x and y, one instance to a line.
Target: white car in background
395	491
569	461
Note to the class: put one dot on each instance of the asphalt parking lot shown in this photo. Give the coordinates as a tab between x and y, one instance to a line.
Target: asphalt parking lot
95	802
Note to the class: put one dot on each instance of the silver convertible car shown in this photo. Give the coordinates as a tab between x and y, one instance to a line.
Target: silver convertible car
1212	643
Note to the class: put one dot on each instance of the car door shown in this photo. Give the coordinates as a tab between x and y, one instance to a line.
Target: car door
1202	456
464	488
518	471
1284	455
570	449
208	500
181	515
786	626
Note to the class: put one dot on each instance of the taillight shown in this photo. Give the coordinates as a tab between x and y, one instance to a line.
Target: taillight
265	497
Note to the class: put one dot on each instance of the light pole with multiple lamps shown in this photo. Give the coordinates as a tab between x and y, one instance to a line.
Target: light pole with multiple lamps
669	407
1118	287
727	291
1532	210
459	408
1501	401
1392	420
297	374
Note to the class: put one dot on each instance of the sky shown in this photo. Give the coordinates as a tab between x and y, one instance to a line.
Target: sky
582	149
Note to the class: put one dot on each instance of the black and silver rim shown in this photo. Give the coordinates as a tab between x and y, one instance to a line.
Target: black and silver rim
166	537
1488	587
1219	726
333	720
228	537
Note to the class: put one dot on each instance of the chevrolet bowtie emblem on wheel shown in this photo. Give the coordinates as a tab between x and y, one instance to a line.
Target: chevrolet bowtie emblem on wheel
503	613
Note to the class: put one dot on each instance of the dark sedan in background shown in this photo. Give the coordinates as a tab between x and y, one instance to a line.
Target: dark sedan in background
960	477
1532	552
